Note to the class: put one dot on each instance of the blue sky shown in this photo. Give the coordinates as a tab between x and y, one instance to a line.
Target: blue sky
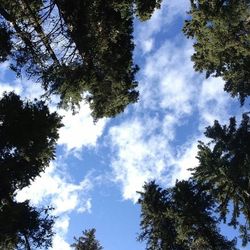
99	167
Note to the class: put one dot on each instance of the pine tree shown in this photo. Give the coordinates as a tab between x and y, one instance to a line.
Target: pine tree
221	30
179	218
28	133
145	8
80	50
25	227
87	241
224	167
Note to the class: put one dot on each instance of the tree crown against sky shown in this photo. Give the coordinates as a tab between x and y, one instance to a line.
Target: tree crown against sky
25	227
221	30
87	241
224	167
77	49
28	133
180	218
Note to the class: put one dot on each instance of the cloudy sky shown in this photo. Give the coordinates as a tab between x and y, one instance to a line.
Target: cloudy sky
99	167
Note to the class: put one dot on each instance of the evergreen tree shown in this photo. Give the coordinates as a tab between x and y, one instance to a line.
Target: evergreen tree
145	8
77	49
87	241
179	218
224	167
5	43
28	133
222	43
25	227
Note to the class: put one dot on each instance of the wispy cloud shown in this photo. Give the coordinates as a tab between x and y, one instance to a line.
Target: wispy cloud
54	189
79	130
152	142
213	102
160	22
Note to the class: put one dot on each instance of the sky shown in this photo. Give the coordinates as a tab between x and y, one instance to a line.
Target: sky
99	168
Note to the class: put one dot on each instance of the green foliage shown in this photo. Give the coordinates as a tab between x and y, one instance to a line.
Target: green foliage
24	227
87	241
28	133
179	218
224	167
145	8
222	42
108	72
94	56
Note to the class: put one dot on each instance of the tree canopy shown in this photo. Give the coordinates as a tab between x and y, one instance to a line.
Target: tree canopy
25	227
77	49
220	29
179	218
224	167
87	241
28	133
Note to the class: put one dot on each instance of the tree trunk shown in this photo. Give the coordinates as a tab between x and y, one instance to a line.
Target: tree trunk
26	242
38	28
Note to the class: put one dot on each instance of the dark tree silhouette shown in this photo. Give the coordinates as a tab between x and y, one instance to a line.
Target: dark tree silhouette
87	241
77	49
224	167
25	227
222	43
179	218
28	133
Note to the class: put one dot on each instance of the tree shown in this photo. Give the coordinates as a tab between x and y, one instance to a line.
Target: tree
222	43
5	43
87	241
145	8
25	227
108	67
224	167
28	133
80	50
179	218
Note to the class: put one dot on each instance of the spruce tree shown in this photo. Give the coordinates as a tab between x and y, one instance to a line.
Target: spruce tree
87	241
180	218
79	50
28	133
224	167
220	29
25	227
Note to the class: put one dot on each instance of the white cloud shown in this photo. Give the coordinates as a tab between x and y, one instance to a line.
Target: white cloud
159	22
79	130
140	154
22	86
4	87
60	244
53	189
62	224
185	160
213	102
174	100
168	79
